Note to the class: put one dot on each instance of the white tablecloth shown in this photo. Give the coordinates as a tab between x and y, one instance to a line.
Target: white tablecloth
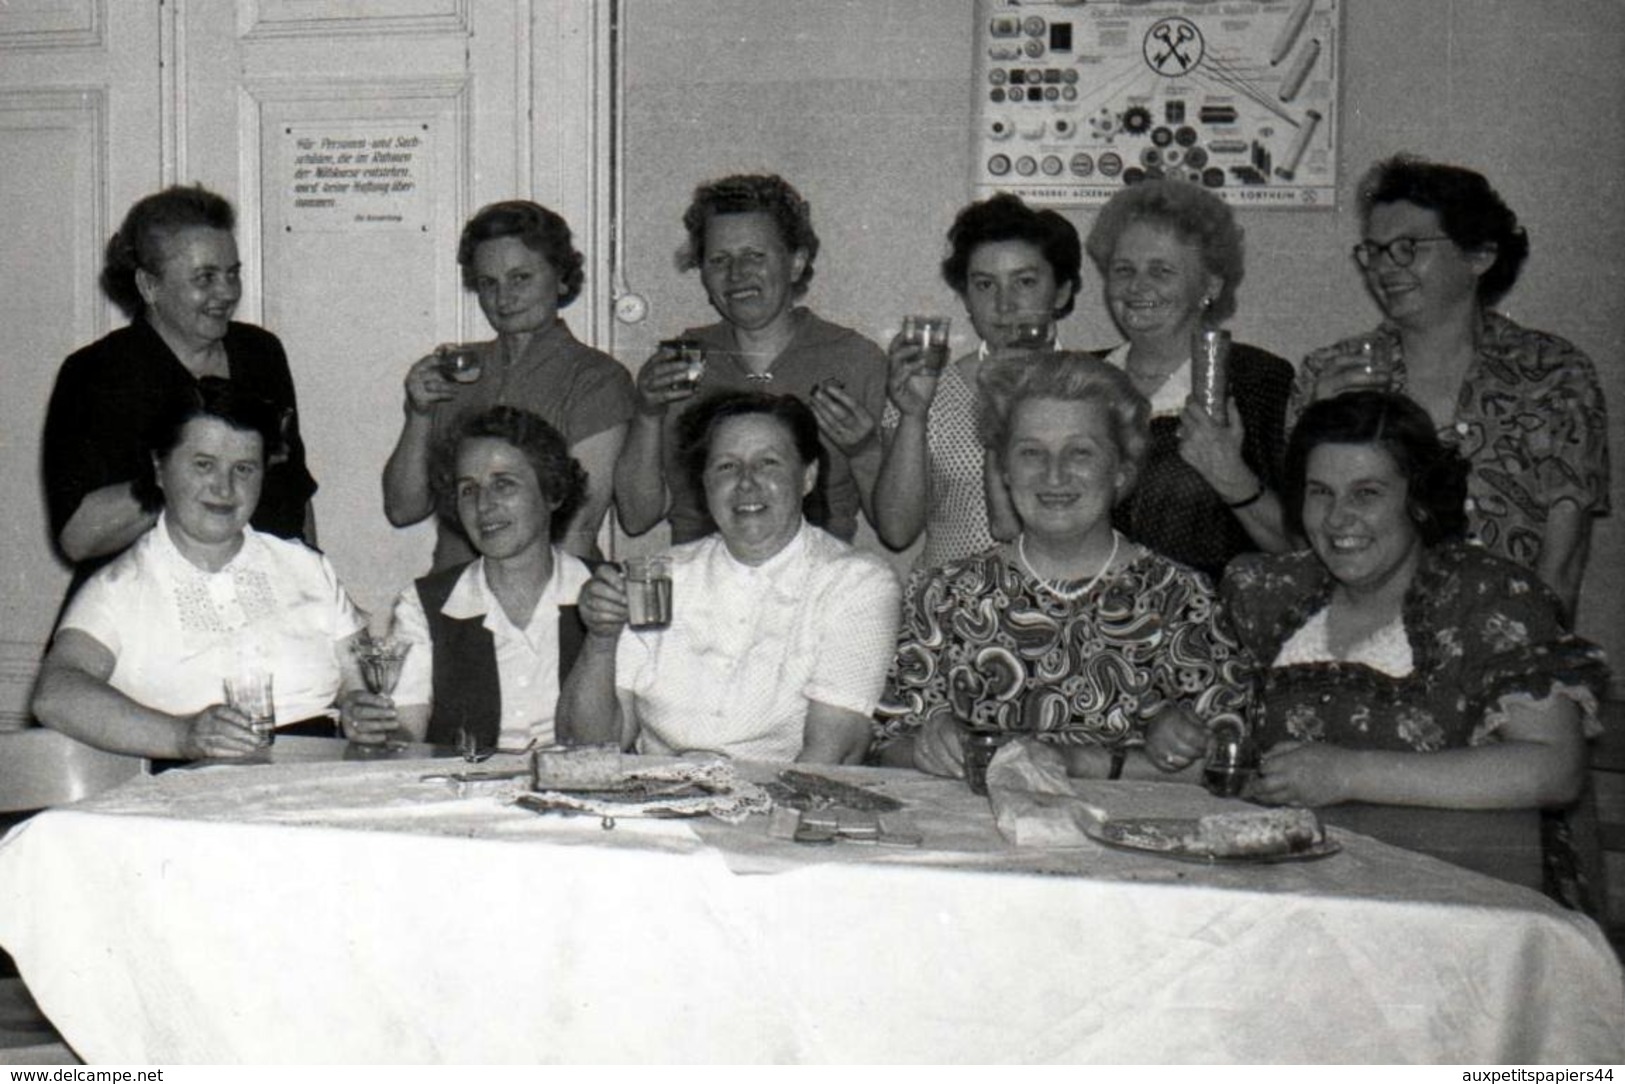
350	912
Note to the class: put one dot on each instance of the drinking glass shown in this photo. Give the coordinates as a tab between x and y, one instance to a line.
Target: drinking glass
978	745
1232	761
648	593
249	691
1376	364
380	660
930	334
691	353
1032	333
460	364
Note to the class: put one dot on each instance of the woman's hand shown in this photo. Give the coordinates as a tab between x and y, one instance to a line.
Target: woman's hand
663	380
1214	451
218	732
1303	773
1174	738
426	385
842	418
911	382
937	750
366	717
602	602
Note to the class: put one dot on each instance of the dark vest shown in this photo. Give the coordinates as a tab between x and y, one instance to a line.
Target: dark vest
467	690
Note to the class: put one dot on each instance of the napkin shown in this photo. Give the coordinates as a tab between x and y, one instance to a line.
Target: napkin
1034	804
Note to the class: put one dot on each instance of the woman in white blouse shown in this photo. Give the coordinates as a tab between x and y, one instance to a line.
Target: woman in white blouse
138	663
781	633
491	638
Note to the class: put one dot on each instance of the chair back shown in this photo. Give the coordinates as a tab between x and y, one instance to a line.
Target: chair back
40	767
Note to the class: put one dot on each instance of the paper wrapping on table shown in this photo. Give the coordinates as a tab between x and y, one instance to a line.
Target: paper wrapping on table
1033	801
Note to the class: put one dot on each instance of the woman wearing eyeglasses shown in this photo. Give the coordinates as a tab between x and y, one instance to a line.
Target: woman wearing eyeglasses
1524	407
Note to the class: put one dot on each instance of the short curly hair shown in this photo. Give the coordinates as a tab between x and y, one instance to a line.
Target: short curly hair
698	427
559	476
1005	217
744	193
1470	211
1435	474
542	231
1192	214
1069	376
138	245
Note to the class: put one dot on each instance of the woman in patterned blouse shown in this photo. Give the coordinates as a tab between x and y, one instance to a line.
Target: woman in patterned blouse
1398	664
1524	407
1069	633
1011	265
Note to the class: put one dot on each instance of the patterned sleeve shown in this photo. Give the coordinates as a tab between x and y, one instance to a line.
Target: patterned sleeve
1514	643
917	684
858	626
1569	454
1202	663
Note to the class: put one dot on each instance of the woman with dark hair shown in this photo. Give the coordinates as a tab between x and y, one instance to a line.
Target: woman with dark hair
752	240
1440	248
173	268
1010	265
780	632
138	661
1069	634
492	639
519	259
1398	664
1171	258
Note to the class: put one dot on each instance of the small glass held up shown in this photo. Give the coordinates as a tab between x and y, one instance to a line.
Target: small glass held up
930	334
648	593
460	364
691	353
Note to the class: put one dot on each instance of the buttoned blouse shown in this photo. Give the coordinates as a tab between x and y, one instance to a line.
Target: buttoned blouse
751	647
527	657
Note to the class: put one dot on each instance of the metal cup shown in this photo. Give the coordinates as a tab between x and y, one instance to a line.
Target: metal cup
1210	372
648	593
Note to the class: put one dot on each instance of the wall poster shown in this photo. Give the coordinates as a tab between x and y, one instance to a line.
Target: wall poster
342	176
1076	99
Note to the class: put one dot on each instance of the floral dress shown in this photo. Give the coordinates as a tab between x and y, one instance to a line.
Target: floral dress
981	639
1530	419
1480	631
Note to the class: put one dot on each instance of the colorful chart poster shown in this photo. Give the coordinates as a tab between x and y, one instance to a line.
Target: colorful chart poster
1076	99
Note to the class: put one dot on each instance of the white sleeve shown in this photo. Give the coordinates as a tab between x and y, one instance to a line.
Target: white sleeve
417	673
347	619
94	612
857	635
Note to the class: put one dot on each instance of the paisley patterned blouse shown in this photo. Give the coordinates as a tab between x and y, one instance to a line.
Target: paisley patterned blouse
980	639
1530	419
1480	630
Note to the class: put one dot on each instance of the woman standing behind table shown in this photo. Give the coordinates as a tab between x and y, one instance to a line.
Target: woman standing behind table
173	268
139	659
1170	254
752	239
518	258
1402	666
1010	265
780	632
1071	633
1524	407
492	639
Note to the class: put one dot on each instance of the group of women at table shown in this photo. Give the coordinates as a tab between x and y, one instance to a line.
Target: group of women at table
1397	532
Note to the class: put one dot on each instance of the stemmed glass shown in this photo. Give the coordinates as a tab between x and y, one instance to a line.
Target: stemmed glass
381	659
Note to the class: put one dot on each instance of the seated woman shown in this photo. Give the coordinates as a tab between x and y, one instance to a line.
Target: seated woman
1440	249
1170	255
138	661
780	632
491	638
1069	634
1400	665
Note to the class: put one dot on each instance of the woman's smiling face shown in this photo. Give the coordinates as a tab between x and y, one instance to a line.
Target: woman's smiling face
1156	284
1356	516
747	270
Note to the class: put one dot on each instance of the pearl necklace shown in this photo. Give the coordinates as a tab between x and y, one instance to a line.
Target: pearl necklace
1066	594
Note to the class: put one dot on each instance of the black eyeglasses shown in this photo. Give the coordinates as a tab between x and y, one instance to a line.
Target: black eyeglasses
1401	250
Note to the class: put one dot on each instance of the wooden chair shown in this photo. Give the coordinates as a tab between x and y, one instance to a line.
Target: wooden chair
40	768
